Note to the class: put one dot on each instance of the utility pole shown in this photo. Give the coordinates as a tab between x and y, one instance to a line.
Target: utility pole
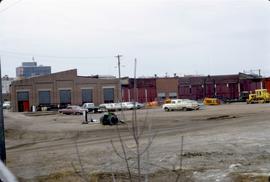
119	77
2	128
120	86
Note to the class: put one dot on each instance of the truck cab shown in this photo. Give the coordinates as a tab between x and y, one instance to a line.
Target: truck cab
90	107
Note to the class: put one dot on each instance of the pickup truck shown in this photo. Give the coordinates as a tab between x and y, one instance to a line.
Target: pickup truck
181	104
90	107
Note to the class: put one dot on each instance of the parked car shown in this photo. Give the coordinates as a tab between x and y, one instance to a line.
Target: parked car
139	105
119	106
90	107
181	104
76	110
107	106
130	105
6	105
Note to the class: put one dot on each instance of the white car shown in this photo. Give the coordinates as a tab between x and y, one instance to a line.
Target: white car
130	105
6	105
108	106
123	105
181	104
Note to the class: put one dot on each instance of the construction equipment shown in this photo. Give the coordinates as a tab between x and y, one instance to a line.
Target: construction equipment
109	119
168	101
211	101
260	96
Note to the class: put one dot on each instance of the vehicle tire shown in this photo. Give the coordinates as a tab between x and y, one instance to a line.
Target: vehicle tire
185	109
113	120
166	109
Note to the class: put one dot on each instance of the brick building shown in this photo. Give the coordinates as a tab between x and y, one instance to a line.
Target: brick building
61	89
167	88
6	81
219	86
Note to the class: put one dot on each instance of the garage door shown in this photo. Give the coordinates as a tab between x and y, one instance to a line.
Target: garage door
87	96
65	96
44	97
108	94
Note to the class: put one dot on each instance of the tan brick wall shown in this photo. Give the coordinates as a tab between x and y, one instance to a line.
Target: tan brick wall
167	85
62	80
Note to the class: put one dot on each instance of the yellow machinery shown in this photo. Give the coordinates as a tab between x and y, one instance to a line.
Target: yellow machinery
260	96
153	104
211	101
167	101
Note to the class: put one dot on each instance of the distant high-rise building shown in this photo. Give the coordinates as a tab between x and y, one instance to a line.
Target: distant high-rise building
30	69
6	81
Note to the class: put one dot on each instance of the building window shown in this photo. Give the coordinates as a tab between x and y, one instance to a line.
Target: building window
87	96
108	95
161	96
22	96
65	97
173	95
44	97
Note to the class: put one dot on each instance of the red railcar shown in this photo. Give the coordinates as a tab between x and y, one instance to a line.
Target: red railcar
225	87
267	84
144	92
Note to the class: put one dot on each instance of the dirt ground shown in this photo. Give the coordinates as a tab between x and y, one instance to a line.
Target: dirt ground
221	143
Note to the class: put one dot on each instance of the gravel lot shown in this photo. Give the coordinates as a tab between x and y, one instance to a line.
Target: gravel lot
221	143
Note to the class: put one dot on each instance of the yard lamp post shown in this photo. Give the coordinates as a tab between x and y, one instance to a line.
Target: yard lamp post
2	128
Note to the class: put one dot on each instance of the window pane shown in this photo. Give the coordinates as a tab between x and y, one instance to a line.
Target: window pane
23	96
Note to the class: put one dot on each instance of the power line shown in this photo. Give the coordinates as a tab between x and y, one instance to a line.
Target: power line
11	5
7	53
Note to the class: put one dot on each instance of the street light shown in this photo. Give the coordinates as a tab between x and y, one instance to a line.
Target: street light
2	128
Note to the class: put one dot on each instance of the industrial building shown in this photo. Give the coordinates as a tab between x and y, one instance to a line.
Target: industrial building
167	88
6	81
62	88
225	87
31	69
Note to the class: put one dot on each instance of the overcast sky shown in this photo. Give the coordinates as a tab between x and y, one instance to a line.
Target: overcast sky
173	36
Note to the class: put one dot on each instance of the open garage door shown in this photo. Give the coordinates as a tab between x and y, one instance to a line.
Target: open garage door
23	101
